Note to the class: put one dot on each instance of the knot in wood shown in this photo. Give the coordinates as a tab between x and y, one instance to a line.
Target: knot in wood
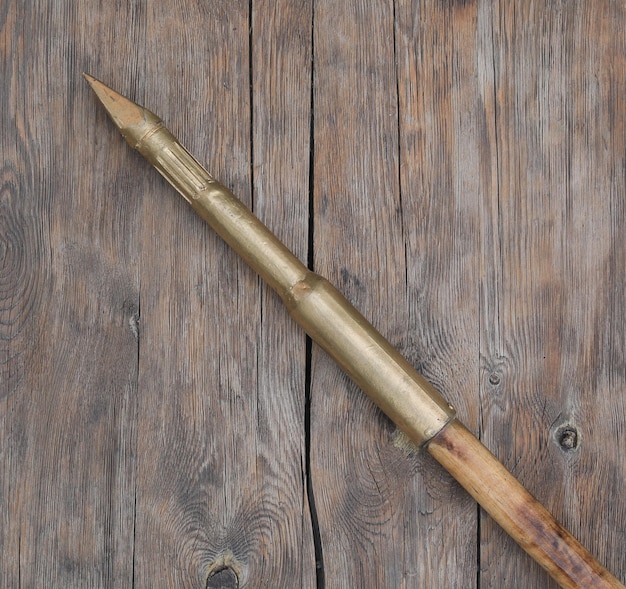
567	437
494	379
224	578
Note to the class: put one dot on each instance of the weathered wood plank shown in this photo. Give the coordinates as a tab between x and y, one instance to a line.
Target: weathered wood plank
553	323
222	372
443	161
281	110
383	516
69	306
361	490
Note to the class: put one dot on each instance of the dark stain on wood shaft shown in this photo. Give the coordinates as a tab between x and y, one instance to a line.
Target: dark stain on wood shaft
563	549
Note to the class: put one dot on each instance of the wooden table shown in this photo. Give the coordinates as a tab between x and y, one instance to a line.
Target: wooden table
457	169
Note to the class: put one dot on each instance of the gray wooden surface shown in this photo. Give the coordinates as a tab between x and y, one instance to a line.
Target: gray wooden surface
457	169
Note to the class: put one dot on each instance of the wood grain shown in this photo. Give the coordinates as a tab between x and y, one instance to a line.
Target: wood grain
441	134
68	385
550	312
280	94
457	169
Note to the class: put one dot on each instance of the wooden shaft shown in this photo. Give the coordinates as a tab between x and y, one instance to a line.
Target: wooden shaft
505	499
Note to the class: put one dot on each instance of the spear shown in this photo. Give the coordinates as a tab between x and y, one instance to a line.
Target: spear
372	362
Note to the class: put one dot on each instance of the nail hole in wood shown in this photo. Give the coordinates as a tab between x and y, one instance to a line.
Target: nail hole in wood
224	578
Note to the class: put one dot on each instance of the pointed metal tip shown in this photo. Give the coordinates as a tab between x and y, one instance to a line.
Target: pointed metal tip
132	120
89	78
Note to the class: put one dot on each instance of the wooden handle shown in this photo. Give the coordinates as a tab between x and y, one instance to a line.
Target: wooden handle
529	523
